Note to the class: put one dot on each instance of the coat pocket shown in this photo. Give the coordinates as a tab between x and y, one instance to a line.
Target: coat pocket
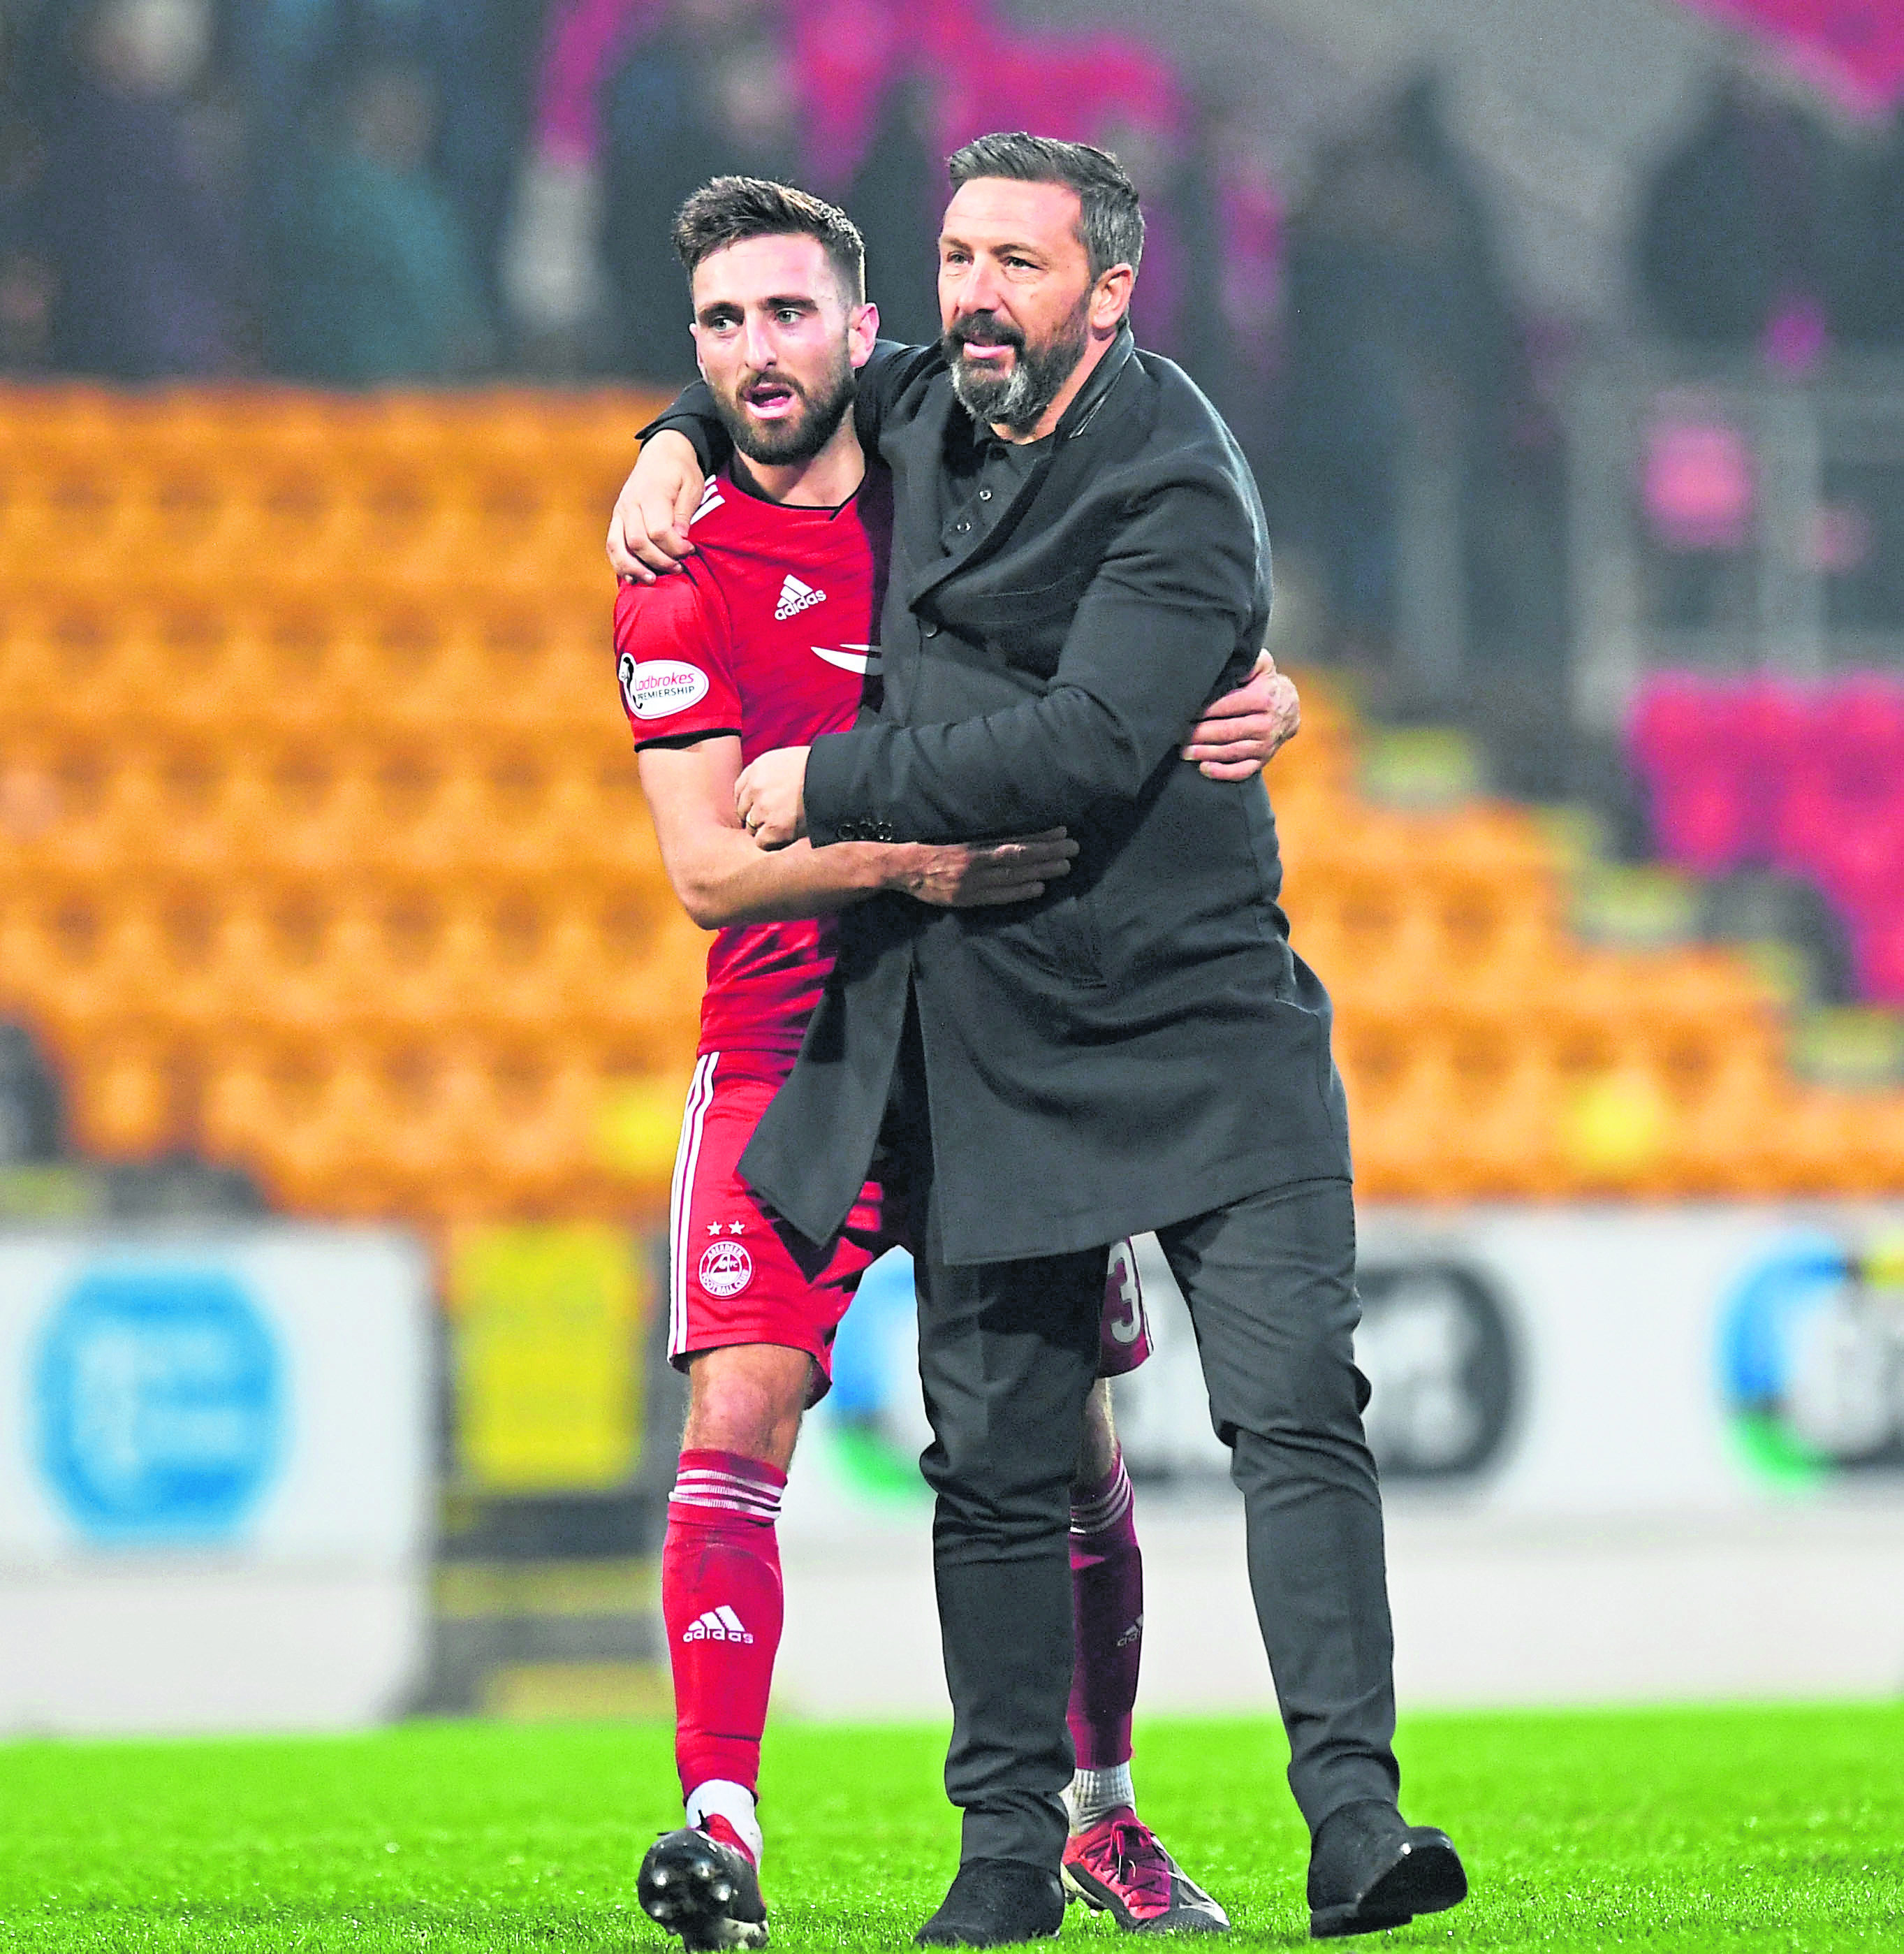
1027	626
1061	940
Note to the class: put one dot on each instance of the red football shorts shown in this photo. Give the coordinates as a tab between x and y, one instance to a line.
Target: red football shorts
738	1275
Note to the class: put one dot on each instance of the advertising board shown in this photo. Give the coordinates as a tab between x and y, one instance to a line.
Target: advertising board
1626	1453
1580	1362
216	1474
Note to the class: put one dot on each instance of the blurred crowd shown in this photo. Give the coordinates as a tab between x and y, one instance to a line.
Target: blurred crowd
1771	228
356	191
352	192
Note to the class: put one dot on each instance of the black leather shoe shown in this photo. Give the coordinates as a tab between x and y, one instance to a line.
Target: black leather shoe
993	1902
1370	1869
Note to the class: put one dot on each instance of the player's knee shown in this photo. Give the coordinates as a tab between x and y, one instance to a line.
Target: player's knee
749	1399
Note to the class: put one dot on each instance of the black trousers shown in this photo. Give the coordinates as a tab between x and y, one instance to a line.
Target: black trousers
1007	1354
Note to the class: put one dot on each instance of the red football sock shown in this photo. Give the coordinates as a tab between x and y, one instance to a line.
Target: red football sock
720	1598
1107	1606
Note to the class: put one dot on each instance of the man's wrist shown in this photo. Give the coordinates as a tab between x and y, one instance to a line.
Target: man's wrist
902	864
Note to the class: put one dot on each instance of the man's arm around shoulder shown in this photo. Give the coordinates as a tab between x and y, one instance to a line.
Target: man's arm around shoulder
1182	590
648	533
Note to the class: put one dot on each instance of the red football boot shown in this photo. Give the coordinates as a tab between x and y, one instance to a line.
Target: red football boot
1119	1866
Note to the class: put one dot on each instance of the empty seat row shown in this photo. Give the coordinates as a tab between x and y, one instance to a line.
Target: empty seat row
431	1132
1432	1130
1768	723
44	429
299	813
227	673
630	960
251	560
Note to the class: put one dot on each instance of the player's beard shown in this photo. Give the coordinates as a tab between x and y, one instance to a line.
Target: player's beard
801	436
1038	372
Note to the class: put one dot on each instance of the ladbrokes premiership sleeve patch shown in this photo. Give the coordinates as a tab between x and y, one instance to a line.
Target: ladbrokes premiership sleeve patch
671	663
657	688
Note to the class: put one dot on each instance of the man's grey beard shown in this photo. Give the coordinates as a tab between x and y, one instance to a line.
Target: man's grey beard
780	443
1038	375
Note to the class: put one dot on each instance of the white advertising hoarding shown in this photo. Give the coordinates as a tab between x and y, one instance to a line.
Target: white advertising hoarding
215	1478
1602	1364
1626	1453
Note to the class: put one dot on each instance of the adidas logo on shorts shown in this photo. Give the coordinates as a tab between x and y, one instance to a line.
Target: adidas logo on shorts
794	597
717	1625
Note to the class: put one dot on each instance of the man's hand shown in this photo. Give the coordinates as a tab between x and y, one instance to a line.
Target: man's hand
983	874
647	534
1240	733
770	797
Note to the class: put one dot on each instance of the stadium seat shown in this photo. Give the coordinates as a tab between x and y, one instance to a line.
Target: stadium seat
124	1100
1511	1147
1704	821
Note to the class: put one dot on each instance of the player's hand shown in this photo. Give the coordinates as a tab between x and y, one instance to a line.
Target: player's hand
1243	731
983	874
647	535
769	797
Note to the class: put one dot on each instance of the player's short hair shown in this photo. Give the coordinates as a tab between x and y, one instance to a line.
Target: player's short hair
1110	222
729	210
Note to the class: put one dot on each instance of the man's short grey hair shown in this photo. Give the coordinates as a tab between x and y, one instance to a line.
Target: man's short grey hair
1110	222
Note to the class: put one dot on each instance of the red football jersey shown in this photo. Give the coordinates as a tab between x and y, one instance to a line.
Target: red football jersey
770	632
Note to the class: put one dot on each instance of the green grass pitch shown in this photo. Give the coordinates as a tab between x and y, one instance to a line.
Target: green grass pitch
1661	1830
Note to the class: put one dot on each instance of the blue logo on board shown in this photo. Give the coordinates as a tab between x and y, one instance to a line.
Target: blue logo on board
160	1404
1811	1358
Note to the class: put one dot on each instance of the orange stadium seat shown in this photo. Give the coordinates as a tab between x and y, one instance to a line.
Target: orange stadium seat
72	956
125	1101
1511	1146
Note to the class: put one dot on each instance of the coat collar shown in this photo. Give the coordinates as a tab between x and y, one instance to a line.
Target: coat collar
1077	417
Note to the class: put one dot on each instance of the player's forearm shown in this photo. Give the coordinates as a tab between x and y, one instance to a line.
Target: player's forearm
1148	644
734	882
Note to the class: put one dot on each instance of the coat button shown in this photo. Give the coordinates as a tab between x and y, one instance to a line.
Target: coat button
928	630
963	527
985	494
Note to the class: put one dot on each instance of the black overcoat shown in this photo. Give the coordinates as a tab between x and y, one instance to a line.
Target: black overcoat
1141	1044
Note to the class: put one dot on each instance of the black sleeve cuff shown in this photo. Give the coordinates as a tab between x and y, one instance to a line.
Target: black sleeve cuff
687	738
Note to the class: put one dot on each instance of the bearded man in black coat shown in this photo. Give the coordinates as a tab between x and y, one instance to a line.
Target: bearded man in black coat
1079	564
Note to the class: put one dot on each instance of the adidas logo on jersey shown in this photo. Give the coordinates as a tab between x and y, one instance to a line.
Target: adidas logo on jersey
794	597
717	1625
